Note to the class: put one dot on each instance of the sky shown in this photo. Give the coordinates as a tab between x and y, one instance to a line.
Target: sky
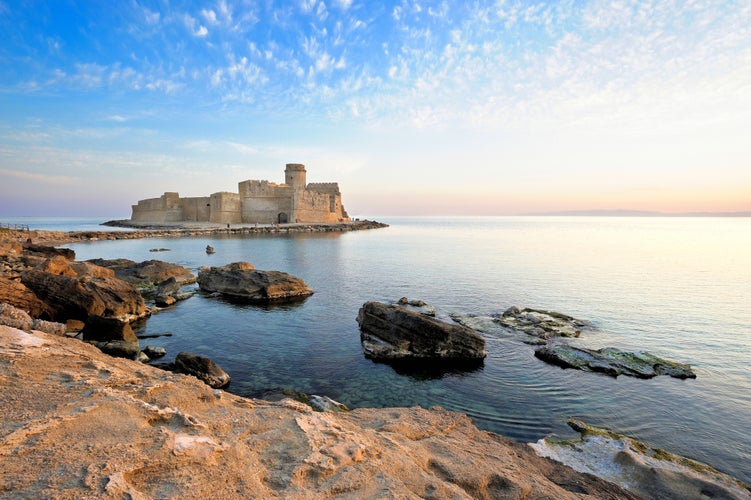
414	107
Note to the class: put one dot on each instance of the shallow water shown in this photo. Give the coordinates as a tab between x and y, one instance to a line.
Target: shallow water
679	288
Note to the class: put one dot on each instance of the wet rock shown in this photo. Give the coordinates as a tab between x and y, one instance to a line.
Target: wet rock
326	404
637	467
202	368
391	332
613	362
540	323
154	352
241	280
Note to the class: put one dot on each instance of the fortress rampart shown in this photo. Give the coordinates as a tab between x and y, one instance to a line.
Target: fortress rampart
257	201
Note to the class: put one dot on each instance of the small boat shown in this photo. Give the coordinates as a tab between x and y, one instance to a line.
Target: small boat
209	249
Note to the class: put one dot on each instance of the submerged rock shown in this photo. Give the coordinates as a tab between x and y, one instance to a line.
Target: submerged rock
637	467
613	361
391	332
241	280
202	368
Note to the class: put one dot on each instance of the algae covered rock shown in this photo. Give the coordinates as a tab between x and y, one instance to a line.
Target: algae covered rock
613	361
637	467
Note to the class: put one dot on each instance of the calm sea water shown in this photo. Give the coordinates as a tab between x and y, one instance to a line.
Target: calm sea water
677	287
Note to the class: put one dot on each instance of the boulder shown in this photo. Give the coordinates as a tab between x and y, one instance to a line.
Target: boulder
78	297
168	292
613	361
241	280
147	274
202	368
15	293
391	332
417	305
105	329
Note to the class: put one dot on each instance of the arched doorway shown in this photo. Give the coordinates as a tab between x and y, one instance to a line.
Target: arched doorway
282	218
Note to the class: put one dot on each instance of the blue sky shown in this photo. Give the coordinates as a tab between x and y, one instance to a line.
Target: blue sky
413	107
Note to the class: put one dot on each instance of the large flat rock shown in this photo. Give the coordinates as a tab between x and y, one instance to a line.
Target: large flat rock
241	280
75	423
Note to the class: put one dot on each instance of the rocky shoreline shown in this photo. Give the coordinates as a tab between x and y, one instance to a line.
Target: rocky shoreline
140	230
76	422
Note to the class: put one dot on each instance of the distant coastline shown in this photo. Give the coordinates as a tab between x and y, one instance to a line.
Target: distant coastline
636	213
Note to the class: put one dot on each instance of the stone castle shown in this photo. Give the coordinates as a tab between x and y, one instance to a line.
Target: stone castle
261	202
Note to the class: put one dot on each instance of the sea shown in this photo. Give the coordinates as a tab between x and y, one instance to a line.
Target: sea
677	287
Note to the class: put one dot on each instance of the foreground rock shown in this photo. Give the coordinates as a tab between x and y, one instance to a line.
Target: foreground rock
645	471
390	332
78	424
613	362
241	280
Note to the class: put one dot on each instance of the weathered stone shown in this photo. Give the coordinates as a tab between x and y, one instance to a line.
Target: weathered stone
613	362
391	332
241	280
147	274
50	327
637	467
15	317
15	293
326	404
80	297
202	368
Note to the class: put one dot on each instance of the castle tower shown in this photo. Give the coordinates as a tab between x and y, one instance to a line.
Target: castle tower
294	175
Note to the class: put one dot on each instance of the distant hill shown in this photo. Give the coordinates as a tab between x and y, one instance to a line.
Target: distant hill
638	213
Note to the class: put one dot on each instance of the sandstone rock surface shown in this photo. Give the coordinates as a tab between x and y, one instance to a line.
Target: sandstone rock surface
75	423
613	361
240	280
392	332
70	296
147	274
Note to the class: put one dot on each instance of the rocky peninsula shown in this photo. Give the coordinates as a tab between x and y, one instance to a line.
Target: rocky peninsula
78	423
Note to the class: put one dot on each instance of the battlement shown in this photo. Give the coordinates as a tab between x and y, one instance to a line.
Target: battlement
324	187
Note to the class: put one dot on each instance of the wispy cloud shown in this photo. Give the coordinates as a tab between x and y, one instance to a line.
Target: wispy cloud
38	177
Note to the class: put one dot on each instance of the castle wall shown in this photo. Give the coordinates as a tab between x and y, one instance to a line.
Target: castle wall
225	208
195	209
263	201
166	208
312	206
